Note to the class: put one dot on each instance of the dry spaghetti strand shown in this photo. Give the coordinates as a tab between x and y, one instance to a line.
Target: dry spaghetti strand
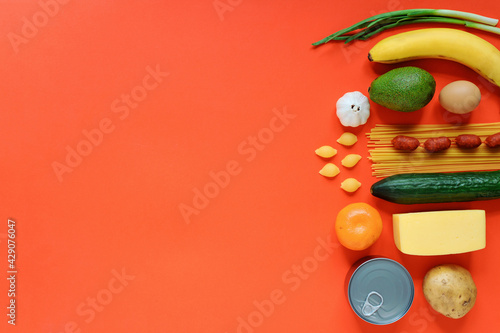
387	161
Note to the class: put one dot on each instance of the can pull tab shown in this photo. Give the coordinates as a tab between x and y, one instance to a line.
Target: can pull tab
369	308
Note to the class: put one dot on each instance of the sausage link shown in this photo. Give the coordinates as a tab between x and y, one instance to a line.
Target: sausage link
402	142
468	141
493	140
434	145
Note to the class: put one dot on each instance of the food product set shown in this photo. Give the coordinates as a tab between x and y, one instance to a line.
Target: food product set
417	166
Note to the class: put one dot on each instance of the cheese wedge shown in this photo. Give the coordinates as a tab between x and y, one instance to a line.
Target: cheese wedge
440	232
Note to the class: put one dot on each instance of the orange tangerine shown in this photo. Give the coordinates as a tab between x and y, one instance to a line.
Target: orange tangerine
358	226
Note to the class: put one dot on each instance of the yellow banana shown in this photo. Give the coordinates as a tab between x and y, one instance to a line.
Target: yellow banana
444	43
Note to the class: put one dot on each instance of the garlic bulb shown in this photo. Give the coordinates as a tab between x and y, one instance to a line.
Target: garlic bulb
353	109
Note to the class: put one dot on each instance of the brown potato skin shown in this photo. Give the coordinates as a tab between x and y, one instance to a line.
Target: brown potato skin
433	145
450	290
493	141
402	142
468	141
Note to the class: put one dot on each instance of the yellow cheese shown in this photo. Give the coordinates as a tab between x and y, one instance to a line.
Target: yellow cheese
440	232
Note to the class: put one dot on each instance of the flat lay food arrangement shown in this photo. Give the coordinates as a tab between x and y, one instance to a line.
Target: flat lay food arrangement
230	166
417	165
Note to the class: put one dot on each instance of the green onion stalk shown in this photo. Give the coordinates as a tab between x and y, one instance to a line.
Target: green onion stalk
378	23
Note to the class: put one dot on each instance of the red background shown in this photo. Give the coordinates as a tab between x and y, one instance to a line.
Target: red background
256	240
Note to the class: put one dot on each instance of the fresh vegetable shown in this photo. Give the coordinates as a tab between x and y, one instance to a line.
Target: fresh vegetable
329	170
347	139
460	97
433	145
452	44
378	23
353	109
450	290
493	140
440	232
403	89
350	185
351	160
417	188
403	142
468	141
358	226
326	151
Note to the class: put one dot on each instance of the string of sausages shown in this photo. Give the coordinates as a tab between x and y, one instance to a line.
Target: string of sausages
433	145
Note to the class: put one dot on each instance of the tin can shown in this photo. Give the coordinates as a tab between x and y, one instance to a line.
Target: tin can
380	290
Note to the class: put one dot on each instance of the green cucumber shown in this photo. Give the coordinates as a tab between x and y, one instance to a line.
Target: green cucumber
418	188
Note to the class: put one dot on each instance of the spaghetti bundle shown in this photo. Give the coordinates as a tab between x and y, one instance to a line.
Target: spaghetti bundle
387	161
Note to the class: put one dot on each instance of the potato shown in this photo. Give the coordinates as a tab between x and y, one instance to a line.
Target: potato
450	290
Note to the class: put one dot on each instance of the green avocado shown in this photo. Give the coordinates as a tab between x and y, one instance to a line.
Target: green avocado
403	89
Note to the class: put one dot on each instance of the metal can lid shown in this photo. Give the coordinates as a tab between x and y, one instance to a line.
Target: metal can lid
381	291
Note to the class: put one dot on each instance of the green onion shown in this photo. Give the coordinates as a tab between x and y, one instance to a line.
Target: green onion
378	23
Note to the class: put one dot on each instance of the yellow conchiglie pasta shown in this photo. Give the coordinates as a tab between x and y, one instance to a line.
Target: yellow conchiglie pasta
329	170
351	160
350	185
347	139
326	151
